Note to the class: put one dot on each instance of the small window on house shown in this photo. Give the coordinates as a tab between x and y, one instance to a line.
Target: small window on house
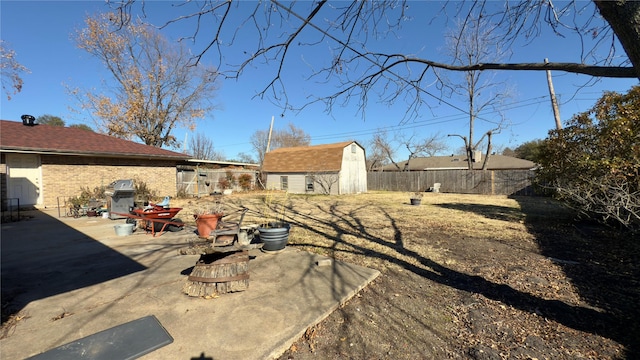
284	183
353	148
309	183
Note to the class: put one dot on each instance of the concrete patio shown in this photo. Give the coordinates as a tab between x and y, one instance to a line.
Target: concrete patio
68	278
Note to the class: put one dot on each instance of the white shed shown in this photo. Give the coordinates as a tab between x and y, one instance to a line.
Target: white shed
322	169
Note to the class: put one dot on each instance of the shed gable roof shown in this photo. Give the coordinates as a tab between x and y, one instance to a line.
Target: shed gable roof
304	159
15	136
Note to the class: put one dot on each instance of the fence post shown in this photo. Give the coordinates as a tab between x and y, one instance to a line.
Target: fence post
493	184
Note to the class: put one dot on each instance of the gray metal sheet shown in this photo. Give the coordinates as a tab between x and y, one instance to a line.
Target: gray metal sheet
127	341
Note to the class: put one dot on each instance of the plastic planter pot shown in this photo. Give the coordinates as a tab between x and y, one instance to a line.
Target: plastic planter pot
274	236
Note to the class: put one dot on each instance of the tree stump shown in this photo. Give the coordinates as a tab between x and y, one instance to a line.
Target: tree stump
219	273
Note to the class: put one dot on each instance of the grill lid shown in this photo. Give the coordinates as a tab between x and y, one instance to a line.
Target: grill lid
120	186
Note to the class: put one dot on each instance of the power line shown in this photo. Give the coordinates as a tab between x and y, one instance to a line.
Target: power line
418	124
436	121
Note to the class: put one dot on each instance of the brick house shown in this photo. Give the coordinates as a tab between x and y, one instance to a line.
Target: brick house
42	165
322	169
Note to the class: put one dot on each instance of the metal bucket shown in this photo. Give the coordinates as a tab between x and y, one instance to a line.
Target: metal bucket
124	229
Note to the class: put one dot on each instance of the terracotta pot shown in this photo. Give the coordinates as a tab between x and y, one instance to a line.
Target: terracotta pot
206	223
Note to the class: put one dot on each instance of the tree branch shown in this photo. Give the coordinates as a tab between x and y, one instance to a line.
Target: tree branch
593	70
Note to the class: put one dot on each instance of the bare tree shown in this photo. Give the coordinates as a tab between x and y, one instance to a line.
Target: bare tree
382	145
259	141
476	44
387	148
201	147
376	157
325	181
623	16
280	29
418	147
292	136
10	71
156	88
246	158
355	69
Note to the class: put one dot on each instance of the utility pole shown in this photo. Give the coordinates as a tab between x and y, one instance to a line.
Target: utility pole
554	102
269	139
184	144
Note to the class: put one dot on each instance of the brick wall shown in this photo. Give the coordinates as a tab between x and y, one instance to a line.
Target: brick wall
64	176
3	180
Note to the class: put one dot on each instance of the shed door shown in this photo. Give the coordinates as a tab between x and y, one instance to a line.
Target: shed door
23	180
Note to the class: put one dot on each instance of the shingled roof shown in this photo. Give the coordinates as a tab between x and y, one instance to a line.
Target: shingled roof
496	162
48	139
304	159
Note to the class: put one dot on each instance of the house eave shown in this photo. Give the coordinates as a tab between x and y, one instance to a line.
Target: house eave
92	154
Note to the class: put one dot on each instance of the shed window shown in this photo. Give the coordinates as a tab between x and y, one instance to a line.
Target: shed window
353	148
309	183
284	183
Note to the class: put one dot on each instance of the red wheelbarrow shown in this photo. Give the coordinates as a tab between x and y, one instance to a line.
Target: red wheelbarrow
156	218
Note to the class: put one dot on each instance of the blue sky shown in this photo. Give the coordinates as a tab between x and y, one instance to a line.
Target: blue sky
40	33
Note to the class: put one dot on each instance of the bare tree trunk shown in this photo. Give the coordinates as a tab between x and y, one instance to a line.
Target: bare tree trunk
624	18
471	87
488	154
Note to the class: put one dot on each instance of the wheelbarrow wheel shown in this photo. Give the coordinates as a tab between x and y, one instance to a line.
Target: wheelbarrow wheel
174	228
157	226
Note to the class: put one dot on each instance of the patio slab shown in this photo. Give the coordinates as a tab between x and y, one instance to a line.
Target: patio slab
70	278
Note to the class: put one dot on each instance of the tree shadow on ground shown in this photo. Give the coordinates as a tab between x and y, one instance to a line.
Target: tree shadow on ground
618	322
43	257
602	264
489	211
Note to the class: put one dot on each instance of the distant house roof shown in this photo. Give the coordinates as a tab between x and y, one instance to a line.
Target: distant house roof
496	162
192	164
58	140
221	163
305	159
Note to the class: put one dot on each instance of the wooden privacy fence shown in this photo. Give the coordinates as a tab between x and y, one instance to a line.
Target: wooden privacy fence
489	182
197	182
